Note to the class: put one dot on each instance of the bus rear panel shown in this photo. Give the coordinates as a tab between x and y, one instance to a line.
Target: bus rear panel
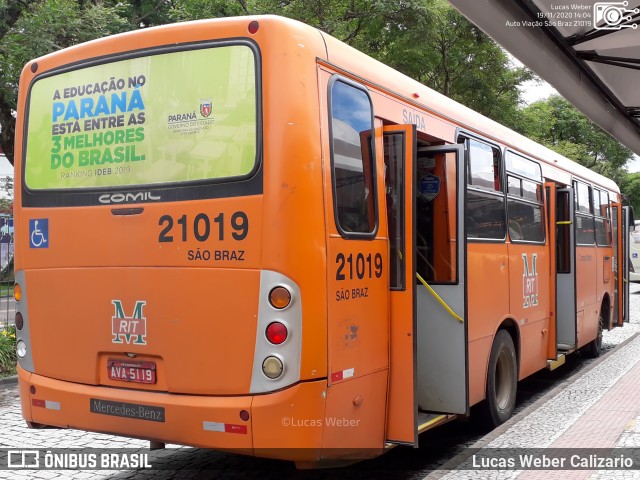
169	260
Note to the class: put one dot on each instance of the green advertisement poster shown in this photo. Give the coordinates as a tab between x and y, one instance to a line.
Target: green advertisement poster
173	117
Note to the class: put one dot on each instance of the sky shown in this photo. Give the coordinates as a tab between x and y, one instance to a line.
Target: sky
533	91
6	169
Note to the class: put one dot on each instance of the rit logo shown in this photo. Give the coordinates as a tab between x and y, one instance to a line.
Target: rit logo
131	329
530	281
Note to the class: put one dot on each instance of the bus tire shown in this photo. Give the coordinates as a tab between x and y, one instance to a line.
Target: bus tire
502	379
593	349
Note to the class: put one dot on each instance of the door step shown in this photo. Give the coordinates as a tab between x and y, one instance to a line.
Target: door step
553	364
427	421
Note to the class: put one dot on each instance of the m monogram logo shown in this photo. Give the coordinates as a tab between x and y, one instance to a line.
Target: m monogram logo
131	329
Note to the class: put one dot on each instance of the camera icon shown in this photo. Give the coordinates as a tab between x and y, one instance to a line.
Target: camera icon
612	15
23	459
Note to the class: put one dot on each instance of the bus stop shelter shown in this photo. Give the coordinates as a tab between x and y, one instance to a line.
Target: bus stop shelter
589	51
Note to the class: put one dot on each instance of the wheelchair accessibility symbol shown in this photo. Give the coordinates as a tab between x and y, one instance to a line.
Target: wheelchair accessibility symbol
39	233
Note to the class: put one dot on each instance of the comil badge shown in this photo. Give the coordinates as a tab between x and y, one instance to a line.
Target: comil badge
206	106
131	329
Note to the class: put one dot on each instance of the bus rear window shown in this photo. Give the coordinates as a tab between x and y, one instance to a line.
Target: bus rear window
353	159
166	118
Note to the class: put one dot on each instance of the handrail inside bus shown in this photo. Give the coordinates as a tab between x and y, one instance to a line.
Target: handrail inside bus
439	299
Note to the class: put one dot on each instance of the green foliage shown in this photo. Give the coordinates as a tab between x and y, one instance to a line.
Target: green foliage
555	123
425	39
6	195
345	20
8	357
466	65
630	185
42	27
200	9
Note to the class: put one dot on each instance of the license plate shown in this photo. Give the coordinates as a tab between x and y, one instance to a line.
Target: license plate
132	371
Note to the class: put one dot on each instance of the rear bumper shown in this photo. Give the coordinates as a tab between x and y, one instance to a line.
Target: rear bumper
199	421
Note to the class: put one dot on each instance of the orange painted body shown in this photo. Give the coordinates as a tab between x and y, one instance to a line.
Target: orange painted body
355	389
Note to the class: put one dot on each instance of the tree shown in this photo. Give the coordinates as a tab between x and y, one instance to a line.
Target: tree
427	40
35	28
557	124
199	9
10	12
449	54
630	186
6	195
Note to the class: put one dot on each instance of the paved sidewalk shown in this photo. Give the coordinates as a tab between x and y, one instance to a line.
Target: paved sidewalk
599	409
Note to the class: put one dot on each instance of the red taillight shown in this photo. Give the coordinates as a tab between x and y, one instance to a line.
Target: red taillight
253	27
19	321
276	333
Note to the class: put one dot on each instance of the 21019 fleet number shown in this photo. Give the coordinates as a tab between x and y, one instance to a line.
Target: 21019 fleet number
202	227
358	266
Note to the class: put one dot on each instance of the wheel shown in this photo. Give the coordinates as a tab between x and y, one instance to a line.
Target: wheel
502	379
593	349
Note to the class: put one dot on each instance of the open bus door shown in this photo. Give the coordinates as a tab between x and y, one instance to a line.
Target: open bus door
400	163
566	314
621	226
428	337
441	295
551	197
627	221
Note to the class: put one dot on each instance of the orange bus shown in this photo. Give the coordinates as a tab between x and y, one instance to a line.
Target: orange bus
243	234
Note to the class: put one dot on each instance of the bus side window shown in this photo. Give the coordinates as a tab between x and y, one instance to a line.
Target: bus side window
524	199
563	217
585	227
485	195
602	212
436	217
394	185
352	159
